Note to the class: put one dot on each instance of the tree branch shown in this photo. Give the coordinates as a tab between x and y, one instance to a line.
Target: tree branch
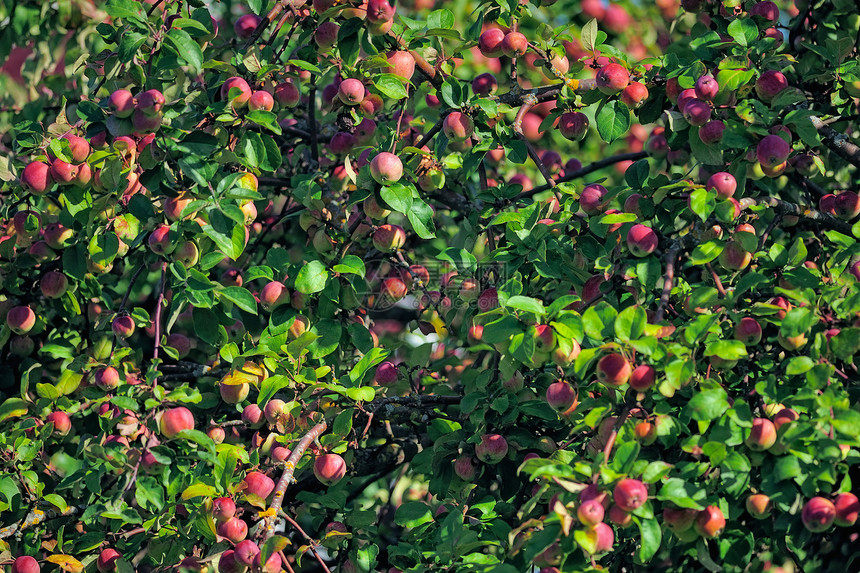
837	142
588	169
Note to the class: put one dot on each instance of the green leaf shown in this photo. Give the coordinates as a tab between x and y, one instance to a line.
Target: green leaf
589	35
630	323
413	514
398	197
727	349
421	218
241	297
682	493
527	304
391	86
613	120
440	19
312	277
188	49
743	31
703	203
637	174
706	252
708	405
350	264
650	536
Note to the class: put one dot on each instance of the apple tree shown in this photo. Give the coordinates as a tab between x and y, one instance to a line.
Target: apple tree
485	286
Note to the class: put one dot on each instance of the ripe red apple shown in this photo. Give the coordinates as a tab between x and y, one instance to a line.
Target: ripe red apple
514	44
630	494
246	551
642	377
490	42
287	94
107	560
560	395
233	529
759	505
272	564
351	91
492	449
645	432
62	422
401	63
772	151
329	468
484	84
241	89
245	25
106	378
634	95
63	173
710	522
25	564
325	35
261	100
846	205
544	337
591	199
605	538
620	517
592	491
162	241
712	131
150	102
818	514
784	416
121	103
613	369
386	374
386	168
770	84
847	509
748	331
573	125
697	112
175	420
590	513
612	78
563	359
258	484
679	520
388	238
223	508
457	126
465	468
37	178
57	236
723	183
20	319
227	563
123	326
274	410
273	295
641	240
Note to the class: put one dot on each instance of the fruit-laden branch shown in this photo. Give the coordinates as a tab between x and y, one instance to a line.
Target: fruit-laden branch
287	476
786	208
837	142
264	23
409	401
588	169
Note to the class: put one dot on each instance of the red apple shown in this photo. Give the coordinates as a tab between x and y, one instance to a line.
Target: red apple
492	449
630	494
223	508
107	560
613	369
175	420
818	514
233	529
329	468
847	509
710	522
258	484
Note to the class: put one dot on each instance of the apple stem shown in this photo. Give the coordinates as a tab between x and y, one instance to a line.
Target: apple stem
720	289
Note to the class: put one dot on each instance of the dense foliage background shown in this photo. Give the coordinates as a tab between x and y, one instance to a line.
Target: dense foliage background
465	286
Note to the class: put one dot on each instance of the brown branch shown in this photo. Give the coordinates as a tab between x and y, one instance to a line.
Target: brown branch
588	169
717	282
158	306
610	441
264	23
670	257
786	208
130	286
311	542
287	476
837	142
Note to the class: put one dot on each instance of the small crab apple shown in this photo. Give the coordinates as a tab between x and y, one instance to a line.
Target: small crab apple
273	295
641	240
490	42
258	484
770	84
223	508
612	78
762	435
492	449
465	468
573	125
484	84
233	529
748	330
818	514
386	374
591	199
697	112
261	100
175	420
161	240
386	168
710	522
287	94
246	551
62	422
20	319
401	63
630	494
107	559
325	35
388	238
351	91
121	103
123	326
240	87
514	44
329	468
560	395
37	177
106	378
458	126
642	377
772	151
712	131
53	284
759	505
245	25
150	102
706	88
723	183
846	205
590	512
613	369
634	95
847	509
784	416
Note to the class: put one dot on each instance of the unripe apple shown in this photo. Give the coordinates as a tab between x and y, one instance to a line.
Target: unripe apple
634	95
710	522
240	87
107	560
591	199
122	326
287	94
217	434
847	509
245	25
565	359
544	336
492	449
223	508
612	78
590	513
465	468
351	91
431	180
233	529
490	42
161	240
846	205
560	395
121	103
175	420
273	295
57	236
734	257
386	374
388	238
457	126
679	520
62	422
762	435
373	209
274	410
642	377
299	326
748	331
234	393
630	494
106	378
818	514
573	125
759	505
261	100
20	319
514	44
641	240
386	168
770	84
613	369
645	432
791	342
258	484
329	469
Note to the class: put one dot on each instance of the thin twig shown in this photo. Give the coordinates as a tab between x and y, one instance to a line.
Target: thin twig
668	278
312	543
158	306
588	169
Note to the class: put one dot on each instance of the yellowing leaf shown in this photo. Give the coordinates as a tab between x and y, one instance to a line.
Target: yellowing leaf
67	563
